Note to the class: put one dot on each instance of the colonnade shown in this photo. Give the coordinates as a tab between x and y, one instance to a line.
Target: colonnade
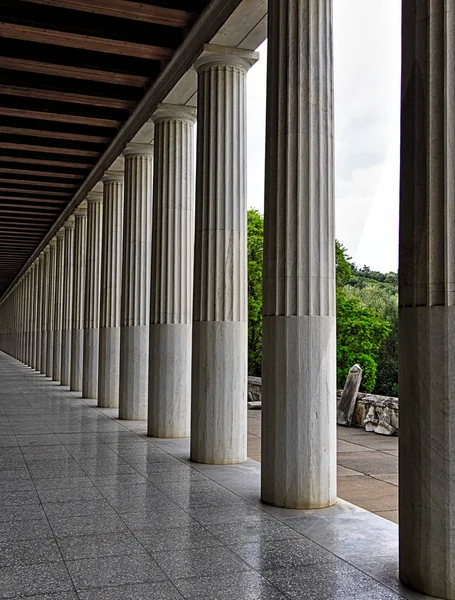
145	307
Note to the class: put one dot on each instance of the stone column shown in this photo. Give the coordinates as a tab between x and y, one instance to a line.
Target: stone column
36	301
135	306
299	329
65	373
172	273
38	308
92	295
427	299
30	318
111	273
220	328
77	316
51	307
44	307
58	304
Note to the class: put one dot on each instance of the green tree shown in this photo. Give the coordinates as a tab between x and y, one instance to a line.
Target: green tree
255	258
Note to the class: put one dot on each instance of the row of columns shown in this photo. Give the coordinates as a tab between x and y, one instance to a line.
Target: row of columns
153	334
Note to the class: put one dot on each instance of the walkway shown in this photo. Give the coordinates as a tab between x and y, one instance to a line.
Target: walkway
91	509
367	466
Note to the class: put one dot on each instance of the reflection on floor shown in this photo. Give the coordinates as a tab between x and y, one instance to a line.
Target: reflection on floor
92	509
367	466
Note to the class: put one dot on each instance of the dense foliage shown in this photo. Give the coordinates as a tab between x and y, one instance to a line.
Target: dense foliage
367	316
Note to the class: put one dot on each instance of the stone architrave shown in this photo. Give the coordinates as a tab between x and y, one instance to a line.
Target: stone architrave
111	282
135	304
299	334
172	273
427	299
65	373
220	329
346	406
78	301
92	295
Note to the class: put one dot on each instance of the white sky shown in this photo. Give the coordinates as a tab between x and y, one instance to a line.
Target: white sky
367	129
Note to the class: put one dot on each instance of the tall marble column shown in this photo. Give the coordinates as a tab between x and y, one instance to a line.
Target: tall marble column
135	305
36	300
39	310
111	274
31	293
78	298
220	328
92	295
172	273
65	370
427	299
58	304
299	329
51	307
44	287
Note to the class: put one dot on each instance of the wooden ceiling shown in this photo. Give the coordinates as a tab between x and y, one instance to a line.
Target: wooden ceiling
71	73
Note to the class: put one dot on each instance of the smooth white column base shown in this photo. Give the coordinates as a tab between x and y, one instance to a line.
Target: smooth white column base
299	412
109	367
66	356
134	349
49	353
77	359
90	362
219	381
427	449
169	381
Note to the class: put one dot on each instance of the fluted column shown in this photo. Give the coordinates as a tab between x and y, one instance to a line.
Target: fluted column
92	295
50	298
111	274
34	324
427	299
135	306
65	372
219	346
172	273
58	304
30	319
39	310
78	298
45	291
299	330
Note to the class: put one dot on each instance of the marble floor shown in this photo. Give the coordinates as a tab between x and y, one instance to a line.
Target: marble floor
91	508
367	466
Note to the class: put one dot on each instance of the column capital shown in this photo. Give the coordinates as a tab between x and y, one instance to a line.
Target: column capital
175	112
215	56
60	233
81	210
135	149
113	176
53	242
94	197
69	223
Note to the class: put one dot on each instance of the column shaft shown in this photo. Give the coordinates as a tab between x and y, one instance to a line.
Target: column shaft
58	305
38	308
92	295
65	374
51	307
427	299
44	308
78	301
111	272
172	273
299	329
135	306
219	347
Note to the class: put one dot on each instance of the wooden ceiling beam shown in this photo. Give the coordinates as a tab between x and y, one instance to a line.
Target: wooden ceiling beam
122	9
52	116
19	64
37	201
45	161
25	92
20	217
66	39
58	135
42	193
38	183
55	174
48	149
